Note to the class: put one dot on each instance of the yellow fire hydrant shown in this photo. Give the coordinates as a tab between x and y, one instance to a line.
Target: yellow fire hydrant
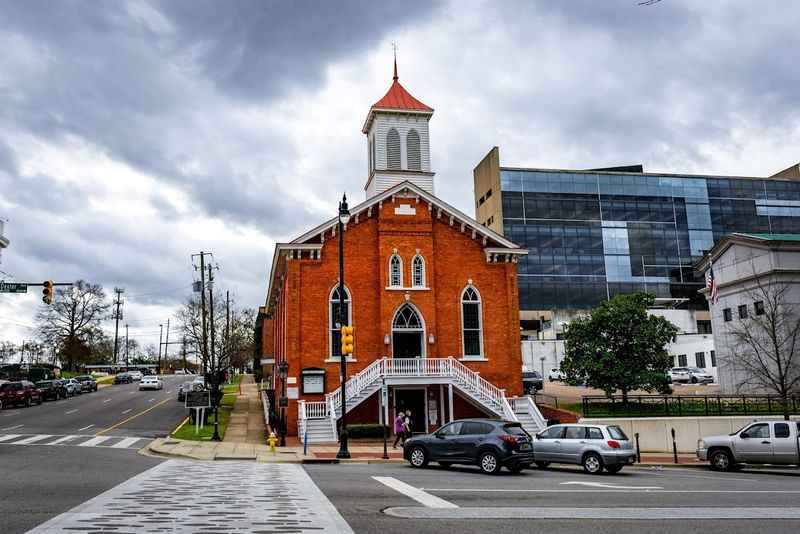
272	440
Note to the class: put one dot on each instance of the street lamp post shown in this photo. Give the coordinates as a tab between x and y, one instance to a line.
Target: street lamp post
283	372
344	218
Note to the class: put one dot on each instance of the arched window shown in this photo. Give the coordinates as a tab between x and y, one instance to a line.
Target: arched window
335	319
418	271
407	319
393	149
471	323
412	147
395	271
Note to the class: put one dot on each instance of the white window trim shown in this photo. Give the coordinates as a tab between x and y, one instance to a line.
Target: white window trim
349	301
400	260
419	257
472	357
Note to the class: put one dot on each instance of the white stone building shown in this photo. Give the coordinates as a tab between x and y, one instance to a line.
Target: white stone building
743	264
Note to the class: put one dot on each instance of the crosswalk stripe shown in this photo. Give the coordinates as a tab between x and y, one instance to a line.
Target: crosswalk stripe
62	440
94	441
9	437
32	439
125	443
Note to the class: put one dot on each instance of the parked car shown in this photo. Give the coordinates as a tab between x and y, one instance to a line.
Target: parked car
532	382
88	383
700	376
51	389
679	375
556	374
760	442
123	378
595	447
136	375
73	387
19	392
488	443
182	389
151	382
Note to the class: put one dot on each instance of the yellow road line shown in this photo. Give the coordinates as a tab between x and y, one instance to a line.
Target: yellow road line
180	425
131	418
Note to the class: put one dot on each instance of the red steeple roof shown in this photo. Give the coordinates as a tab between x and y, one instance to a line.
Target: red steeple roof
398	98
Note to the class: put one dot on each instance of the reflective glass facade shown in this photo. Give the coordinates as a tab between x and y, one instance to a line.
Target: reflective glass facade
592	235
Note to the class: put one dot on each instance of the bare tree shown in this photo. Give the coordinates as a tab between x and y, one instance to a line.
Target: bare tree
73	320
765	355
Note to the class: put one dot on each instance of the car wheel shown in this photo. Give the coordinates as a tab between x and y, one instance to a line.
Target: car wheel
694	380
614	469
722	461
445	465
542	465
489	463
592	463
418	457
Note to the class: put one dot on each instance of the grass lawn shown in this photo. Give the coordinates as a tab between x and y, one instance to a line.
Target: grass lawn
226	407
105	379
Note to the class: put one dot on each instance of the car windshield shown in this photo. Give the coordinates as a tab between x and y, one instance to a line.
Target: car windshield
696	370
617	433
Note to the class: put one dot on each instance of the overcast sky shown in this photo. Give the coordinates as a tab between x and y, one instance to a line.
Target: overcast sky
135	133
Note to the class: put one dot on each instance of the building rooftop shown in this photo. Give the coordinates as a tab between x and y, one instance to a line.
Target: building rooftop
773	237
396	99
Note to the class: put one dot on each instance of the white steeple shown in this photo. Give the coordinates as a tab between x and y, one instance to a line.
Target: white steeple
398	147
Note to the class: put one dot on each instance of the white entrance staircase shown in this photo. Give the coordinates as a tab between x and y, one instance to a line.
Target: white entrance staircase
317	420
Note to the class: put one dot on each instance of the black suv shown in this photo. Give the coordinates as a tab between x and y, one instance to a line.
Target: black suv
123	378
488	443
52	389
87	383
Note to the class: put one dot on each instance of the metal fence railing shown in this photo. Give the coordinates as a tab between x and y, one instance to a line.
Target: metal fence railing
686	405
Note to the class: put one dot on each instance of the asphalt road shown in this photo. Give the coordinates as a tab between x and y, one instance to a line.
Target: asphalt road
120	410
37	483
638	500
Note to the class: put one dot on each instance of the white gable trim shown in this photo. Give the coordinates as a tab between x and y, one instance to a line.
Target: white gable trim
454	214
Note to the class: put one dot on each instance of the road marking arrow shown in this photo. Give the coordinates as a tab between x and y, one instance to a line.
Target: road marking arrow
609	486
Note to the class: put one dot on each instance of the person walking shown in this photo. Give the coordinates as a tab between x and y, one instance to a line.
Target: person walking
399	429
407	422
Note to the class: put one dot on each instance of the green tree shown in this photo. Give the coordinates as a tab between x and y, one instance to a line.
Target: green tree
620	347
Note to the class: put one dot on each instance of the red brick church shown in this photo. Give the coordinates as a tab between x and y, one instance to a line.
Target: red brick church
431	294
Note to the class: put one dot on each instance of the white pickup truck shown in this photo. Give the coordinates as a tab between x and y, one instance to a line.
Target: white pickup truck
759	442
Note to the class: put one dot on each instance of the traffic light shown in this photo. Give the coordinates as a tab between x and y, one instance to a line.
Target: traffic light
47	291
347	340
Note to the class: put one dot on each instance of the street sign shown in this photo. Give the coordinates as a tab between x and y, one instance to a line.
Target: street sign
198	399
10	287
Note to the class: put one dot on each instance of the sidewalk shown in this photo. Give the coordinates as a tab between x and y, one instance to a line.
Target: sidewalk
247	418
360	451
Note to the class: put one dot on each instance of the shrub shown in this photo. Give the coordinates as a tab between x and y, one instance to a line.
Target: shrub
371	430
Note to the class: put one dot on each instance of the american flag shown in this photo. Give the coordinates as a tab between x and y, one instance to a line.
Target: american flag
711	285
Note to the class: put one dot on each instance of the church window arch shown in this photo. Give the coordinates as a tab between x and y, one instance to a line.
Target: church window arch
418	271
393	149
471	323
414	156
395	271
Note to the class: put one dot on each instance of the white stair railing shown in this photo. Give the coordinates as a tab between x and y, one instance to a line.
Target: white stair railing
466	379
332	416
525	404
301	419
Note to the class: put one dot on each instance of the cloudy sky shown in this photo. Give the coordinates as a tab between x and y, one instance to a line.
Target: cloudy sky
135	133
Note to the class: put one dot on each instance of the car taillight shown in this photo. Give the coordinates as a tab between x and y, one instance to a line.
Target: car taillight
613	444
508	438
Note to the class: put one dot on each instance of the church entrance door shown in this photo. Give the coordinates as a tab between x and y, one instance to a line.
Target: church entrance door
408	333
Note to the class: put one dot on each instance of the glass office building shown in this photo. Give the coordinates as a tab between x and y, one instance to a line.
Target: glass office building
593	234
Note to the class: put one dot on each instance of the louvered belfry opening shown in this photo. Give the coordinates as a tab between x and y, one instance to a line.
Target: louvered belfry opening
393	149
414	155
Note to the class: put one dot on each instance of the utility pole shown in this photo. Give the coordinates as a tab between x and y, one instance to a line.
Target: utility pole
160	336
214	370
127	346
228	324
117	302
185	367
204	348
166	347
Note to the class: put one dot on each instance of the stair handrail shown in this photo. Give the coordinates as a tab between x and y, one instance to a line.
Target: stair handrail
332	414
301	418
535	412
358	382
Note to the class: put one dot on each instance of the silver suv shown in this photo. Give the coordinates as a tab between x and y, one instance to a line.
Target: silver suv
595	447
